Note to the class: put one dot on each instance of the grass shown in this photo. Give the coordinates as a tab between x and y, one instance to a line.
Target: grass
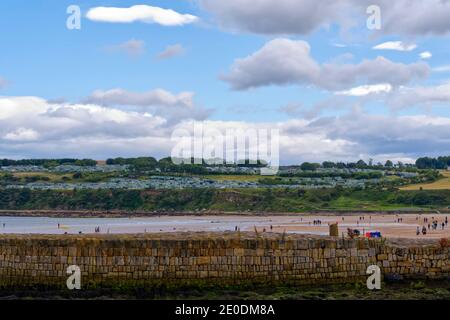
441	184
53	177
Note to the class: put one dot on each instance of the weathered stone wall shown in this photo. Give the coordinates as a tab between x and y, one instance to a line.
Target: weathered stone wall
209	259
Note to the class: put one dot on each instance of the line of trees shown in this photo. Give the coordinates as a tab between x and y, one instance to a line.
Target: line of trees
360	164
433	163
166	164
47	162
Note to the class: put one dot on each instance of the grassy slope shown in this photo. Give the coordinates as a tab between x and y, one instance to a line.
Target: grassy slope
254	200
441	184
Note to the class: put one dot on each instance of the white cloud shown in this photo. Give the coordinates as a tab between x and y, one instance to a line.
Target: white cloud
142	13
171	51
284	61
145	99
425	55
280	61
21	134
366	90
172	107
420	96
300	17
33	127
395	45
279	18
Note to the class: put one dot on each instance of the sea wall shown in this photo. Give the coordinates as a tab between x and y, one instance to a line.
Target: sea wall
210	259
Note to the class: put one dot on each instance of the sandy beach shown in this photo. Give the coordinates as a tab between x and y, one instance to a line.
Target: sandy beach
389	224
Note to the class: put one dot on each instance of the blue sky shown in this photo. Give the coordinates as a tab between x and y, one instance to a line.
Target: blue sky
40	57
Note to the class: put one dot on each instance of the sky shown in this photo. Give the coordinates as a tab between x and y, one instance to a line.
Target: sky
339	80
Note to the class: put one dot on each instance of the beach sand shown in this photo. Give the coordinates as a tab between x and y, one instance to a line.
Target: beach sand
387	224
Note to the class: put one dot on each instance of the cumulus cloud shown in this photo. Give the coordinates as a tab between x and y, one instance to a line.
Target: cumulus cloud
406	17
142	13
143	99
395	45
284	61
274	17
33	127
171	51
417	18
280	61
21	134
420	96
171	106
34	123
131	47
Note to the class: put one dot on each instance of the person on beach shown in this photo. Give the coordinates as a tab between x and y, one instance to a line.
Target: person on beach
424	230
418	231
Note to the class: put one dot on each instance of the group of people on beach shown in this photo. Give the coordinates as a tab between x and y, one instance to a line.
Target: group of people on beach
432	225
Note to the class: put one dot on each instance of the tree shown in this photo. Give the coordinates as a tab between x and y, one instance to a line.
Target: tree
328	164
361	164
389	164
308	166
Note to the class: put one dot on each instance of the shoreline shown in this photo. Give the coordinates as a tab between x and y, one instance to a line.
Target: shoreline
142	214
388	225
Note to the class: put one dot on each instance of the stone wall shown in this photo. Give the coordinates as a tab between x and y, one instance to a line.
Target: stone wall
210	259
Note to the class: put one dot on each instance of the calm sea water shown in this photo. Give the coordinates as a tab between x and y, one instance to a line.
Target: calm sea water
49	225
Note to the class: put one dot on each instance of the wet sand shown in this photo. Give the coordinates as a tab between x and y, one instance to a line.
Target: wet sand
387	224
